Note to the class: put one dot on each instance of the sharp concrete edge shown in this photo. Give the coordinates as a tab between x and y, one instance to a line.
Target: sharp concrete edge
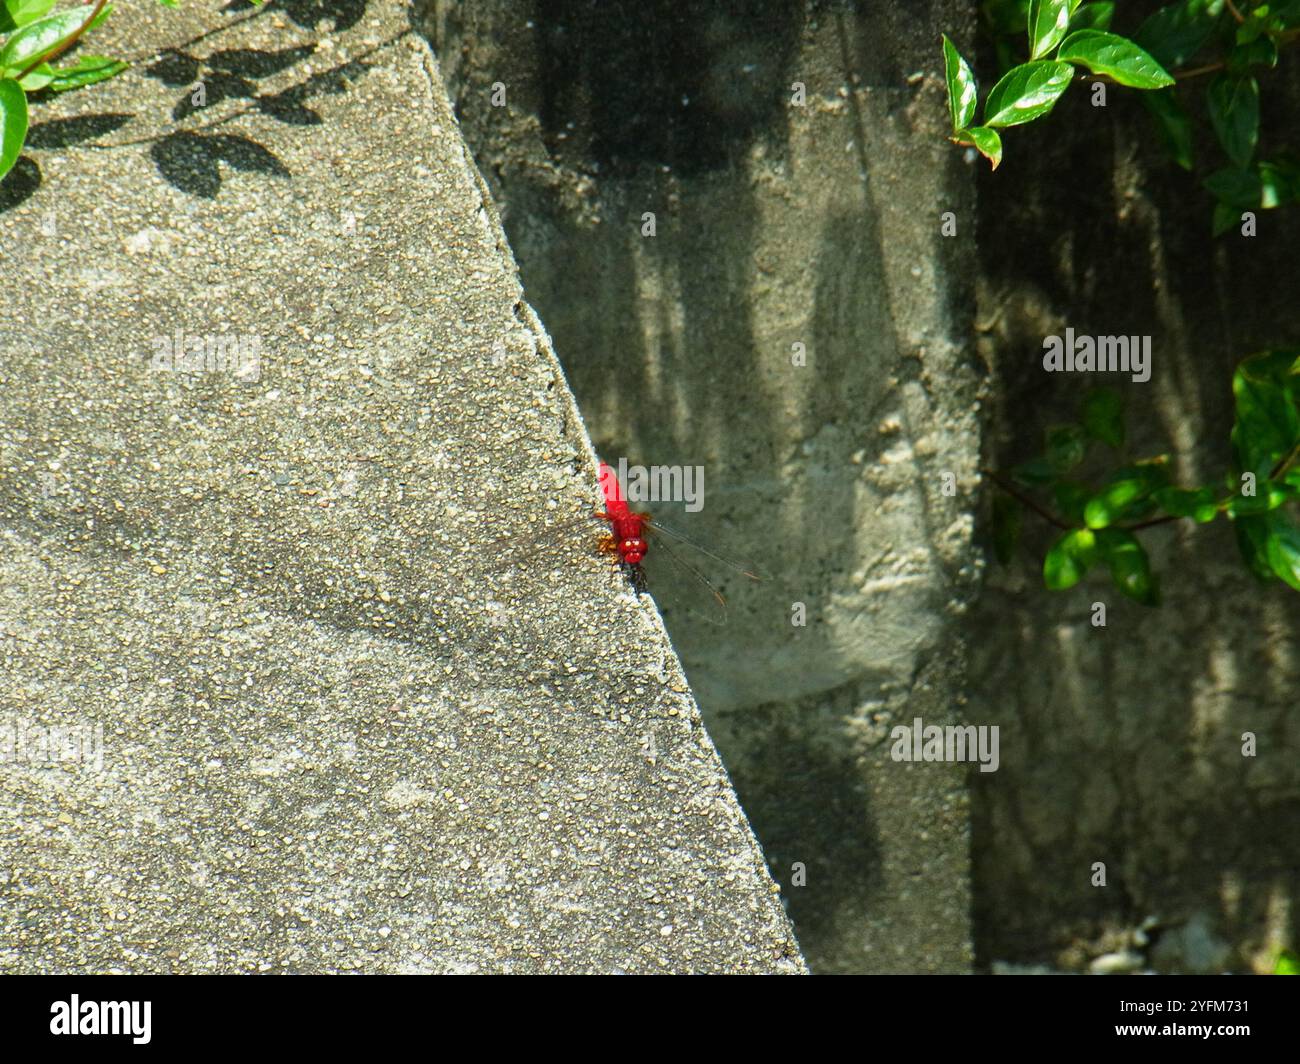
342	704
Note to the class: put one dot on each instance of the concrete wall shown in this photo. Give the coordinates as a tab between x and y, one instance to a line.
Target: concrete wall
777	224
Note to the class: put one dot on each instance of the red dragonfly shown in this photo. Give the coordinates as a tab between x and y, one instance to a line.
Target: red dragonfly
630	534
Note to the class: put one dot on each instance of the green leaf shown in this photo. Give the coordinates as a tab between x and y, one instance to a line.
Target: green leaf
1197	503
1242	189
1288	963
1026	92
1048	21
1093	16
1127	493
1279	183
1034	473
44	35
1282	548
984	140
1129	567
1174	34
1252	540
1267	424
1225	217
1272	496
1234	113
1066	447
1069	559
13	123
1071	498
15	13
1006	527
1287	13
1116	57
1103	416
1173	123
962	91
87	70
38	78
1005	16
1259	52
1109	505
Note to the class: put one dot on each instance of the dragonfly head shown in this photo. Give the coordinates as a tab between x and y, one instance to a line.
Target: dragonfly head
632	551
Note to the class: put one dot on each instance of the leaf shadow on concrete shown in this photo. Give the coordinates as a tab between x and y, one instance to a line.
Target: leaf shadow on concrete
309	14
20	183
25	178
190	159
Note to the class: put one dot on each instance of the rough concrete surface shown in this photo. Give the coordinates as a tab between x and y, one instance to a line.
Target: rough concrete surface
780	221
353	717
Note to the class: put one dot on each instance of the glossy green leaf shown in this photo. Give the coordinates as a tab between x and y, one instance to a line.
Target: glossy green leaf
1252	540
1093	16
1065	447
1116	57
1175	33
13	123
1034	473
1198	503
962	92
1071	498
37	79
1234	113
1109	505
1241	189
87	70
1282	548
1261	52
1267	423
1005	16
44	35
15	13
1026	92
1103	416
984	140
1173	123
1048	22
1225	217
1127	493
1269	496
1069	559
1130	569
1288	963
1279	183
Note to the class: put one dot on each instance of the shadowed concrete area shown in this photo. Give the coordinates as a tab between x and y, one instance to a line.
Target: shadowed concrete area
278	434
799	327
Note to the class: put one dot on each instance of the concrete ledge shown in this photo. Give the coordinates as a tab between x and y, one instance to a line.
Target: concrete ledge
343	727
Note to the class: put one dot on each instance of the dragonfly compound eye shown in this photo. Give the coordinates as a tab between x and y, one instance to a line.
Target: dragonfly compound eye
632	550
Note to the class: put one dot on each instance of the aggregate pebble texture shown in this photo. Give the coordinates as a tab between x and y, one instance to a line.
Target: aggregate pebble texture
337	708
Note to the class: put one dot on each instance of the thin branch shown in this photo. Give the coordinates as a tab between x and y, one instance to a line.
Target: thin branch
1028	500
1285	463
1150	524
